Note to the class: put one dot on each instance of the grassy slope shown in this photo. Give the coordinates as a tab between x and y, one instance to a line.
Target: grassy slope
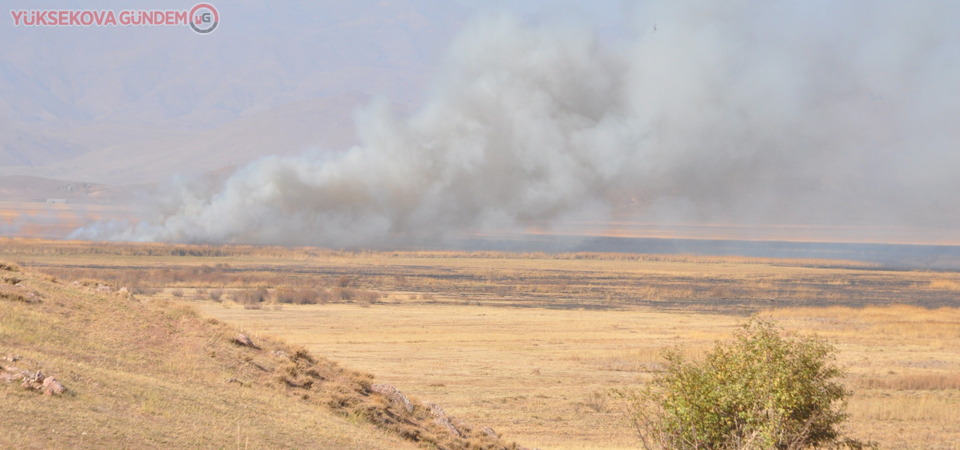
154	375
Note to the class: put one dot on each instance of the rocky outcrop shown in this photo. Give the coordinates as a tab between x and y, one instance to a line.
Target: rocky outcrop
440	418
394	395
51	386
11	374
34	381
243	340
15	290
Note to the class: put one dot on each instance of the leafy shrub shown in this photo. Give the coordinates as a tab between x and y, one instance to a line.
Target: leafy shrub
761	392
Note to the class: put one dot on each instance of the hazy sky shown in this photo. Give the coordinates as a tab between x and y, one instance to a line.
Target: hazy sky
752	113
83	103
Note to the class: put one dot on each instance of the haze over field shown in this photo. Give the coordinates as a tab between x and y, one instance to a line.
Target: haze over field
750	114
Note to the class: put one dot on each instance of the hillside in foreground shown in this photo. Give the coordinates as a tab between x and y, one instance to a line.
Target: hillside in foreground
151	374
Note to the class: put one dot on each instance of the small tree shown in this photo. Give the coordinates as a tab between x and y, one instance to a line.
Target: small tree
761	392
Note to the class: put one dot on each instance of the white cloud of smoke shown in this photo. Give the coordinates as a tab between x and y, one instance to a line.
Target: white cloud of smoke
743	112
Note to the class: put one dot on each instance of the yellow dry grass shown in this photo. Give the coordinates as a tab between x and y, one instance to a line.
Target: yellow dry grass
148	375
523	343
950	285
734	285
532	373
903	363
529	373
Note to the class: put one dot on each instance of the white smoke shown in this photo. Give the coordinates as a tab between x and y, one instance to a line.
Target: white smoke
746	111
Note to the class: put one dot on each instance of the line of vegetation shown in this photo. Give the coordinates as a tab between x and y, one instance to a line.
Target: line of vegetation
36	246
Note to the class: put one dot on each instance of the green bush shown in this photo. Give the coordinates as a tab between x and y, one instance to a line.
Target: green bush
762	391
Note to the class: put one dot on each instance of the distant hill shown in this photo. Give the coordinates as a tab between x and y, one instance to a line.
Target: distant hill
141	155
132	105
23	146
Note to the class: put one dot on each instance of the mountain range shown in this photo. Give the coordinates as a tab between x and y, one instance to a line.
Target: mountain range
133	105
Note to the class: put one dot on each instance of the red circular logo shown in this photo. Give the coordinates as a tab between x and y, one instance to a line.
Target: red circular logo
203	18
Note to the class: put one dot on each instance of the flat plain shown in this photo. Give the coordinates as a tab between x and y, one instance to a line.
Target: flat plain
529	344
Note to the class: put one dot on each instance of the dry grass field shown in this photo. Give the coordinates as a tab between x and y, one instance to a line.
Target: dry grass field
529	343
578	280
903	364
534	373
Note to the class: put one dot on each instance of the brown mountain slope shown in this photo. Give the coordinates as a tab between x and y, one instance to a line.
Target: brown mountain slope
156	375
121	155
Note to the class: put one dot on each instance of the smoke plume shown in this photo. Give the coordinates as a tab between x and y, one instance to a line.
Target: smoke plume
741	112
